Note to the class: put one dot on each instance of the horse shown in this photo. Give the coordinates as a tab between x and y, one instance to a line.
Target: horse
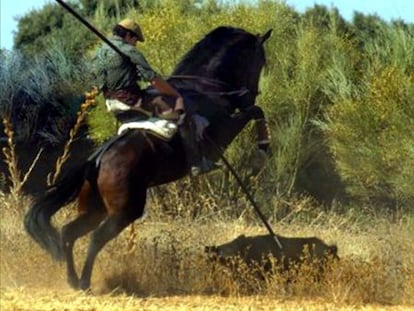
111	186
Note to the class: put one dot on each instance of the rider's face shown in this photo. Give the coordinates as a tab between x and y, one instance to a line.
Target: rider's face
131	39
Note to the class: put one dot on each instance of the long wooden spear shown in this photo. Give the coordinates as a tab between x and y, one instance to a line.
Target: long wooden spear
92	28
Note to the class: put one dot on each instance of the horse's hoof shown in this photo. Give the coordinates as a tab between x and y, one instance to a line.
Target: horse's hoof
88	291
85	286
58	256
73	282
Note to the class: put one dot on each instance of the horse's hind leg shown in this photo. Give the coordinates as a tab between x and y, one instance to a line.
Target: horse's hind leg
91	214
118	220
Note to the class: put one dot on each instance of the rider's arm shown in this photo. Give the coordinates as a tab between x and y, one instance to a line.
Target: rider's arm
165	88
148	74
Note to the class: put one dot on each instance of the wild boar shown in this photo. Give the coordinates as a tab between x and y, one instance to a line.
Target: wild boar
255	251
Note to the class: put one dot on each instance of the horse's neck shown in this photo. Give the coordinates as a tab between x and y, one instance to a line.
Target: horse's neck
212	106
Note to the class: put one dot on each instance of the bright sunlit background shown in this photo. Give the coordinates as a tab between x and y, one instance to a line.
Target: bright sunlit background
386	9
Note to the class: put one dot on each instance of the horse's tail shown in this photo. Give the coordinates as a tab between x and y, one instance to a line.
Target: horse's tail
37	220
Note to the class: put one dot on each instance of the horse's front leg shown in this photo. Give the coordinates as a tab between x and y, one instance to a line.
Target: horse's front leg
262	132
224	132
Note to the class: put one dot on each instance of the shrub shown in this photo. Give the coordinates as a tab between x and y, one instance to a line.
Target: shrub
41	95
369	127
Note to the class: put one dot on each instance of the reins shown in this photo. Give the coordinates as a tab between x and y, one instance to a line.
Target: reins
240	92
214	82
202	79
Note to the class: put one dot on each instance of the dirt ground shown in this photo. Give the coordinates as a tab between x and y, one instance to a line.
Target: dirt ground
48	300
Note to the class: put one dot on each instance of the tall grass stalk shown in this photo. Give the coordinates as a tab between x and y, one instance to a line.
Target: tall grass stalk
89	101
11	159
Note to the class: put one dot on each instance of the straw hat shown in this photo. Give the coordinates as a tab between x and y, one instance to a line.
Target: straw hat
132	26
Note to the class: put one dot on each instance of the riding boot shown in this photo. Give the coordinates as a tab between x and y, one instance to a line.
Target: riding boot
197	163
203	166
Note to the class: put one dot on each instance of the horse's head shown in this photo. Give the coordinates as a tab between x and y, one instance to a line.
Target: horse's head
231	56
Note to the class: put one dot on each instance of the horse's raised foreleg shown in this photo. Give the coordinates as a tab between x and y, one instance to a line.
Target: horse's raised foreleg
109	229
223	132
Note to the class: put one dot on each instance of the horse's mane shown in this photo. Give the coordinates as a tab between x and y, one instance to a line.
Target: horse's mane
215	54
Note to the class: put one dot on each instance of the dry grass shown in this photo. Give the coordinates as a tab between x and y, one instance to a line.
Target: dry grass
161	265
48	300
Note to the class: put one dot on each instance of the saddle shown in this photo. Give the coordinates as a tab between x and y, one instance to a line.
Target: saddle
162	128
154	113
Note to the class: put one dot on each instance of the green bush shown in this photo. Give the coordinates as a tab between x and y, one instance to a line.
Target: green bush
41	95
370	126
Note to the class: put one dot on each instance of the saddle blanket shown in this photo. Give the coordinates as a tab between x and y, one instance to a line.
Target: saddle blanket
163	128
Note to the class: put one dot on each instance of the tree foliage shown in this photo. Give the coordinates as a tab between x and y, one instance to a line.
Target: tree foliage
40	30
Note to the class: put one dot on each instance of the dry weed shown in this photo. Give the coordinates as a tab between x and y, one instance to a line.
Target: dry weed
89	101
11	159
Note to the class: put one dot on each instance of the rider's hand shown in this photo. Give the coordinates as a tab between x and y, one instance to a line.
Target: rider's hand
179	105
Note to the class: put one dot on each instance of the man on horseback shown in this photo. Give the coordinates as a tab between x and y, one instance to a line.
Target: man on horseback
111	186
118	74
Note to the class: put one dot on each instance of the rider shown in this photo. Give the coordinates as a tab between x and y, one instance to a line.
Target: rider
117	76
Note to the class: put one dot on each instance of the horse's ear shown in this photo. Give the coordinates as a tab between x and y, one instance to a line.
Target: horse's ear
266	36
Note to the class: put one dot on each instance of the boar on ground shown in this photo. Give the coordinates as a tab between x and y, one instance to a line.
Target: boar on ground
256	251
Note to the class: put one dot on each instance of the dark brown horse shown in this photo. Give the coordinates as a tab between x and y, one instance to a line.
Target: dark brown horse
111	187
